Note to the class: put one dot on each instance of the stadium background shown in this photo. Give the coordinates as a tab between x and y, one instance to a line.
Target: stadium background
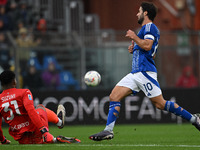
83	35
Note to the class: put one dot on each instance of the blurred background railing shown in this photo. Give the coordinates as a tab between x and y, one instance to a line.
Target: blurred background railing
104	53
51	44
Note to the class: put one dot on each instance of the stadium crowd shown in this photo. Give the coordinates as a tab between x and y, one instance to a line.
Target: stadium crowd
17	17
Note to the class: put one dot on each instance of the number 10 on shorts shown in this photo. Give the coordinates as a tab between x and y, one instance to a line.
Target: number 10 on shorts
148	87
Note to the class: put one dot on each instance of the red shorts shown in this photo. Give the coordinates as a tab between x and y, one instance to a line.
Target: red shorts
35	137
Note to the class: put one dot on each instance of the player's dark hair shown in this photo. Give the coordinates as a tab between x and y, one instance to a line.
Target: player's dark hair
150	8
6	77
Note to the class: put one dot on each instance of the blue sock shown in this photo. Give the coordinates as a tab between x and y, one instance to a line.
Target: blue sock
169	106
111	117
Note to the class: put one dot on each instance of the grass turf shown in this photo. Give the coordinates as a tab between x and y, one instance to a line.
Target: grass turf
135	136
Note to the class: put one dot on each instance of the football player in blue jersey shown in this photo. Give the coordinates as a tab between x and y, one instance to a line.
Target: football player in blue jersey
143	75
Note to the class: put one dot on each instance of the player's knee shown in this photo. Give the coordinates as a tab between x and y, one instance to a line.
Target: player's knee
40	106
114	98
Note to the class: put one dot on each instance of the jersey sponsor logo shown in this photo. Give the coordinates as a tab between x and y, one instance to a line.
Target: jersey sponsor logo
30	97
19	126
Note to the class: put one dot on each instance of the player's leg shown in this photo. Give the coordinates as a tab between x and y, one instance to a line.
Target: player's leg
172	107
124	87
58	119
61	115
116	95
36	137
48	115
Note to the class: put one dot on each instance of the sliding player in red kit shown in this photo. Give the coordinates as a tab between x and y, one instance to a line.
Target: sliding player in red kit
27	125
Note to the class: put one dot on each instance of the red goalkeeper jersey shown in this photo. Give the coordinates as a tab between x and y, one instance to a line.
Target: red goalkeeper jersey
17	109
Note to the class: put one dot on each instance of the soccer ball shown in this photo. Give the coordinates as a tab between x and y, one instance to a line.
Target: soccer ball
92	78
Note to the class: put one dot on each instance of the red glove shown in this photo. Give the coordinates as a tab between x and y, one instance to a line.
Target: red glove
47	137
5	141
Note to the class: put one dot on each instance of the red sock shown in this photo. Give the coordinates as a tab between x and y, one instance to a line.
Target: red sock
52	117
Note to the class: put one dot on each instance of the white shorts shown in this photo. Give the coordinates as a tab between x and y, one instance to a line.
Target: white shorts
145	81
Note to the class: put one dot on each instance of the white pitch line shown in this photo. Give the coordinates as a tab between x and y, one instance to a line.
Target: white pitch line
138	145
110	145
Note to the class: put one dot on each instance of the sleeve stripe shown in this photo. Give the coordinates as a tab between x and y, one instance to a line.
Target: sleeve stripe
149	36
148	27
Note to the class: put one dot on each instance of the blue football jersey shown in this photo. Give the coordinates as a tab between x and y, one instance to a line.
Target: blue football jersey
143	60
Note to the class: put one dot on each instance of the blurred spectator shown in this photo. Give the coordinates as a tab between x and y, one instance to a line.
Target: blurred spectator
25	43
26	40
12	14
41	30
51	77
4	17
187	79
4	52
31	35
2	26
42	25
20	25
24	13
3	43
32	78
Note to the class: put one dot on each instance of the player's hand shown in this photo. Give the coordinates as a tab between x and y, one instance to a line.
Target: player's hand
47	137
130	34
130	48
5	141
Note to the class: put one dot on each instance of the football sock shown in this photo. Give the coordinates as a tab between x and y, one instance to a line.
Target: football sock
52	117
169	106
55	140
111	117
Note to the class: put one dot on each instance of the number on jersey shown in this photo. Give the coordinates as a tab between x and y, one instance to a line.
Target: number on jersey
7	108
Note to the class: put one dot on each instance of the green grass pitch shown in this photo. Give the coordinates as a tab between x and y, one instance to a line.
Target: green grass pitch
134	137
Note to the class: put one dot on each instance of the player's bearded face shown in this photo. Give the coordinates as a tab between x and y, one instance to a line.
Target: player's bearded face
140	15
141	18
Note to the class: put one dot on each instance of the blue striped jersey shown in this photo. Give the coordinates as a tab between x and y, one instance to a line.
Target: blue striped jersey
143	60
